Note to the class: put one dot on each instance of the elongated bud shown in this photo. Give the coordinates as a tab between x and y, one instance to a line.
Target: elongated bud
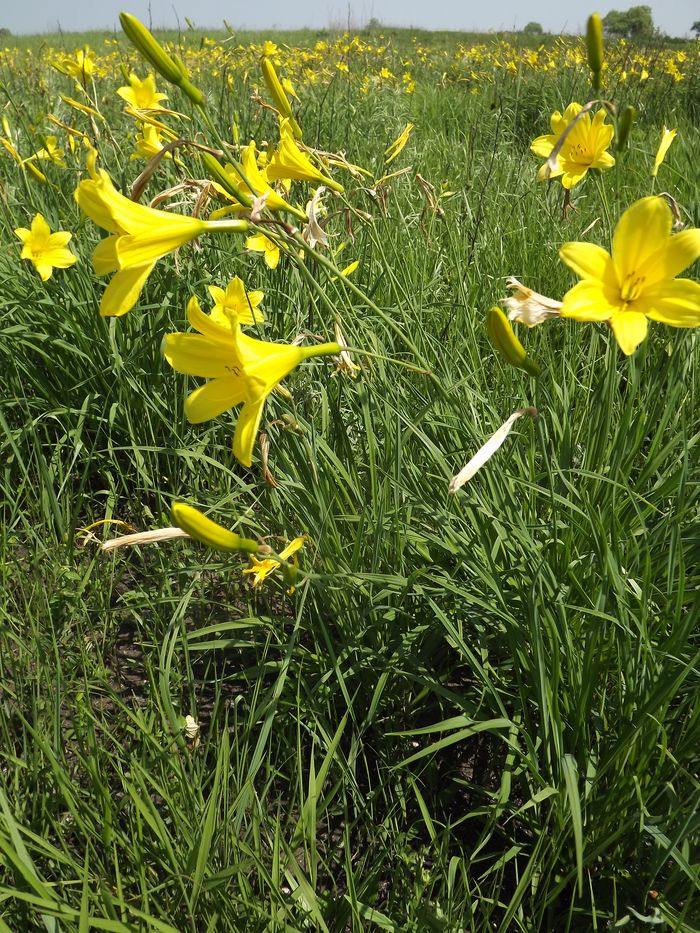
170	68
219	174
502	336
594	47
209	532
279	96
624	127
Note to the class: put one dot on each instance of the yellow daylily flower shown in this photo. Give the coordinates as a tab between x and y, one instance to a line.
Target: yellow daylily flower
584	146
142	95
262	244
398	144
235	301
81	65
263	568
259	184
667	137
51	152
637	282
289	161
241	370
45	250
140	236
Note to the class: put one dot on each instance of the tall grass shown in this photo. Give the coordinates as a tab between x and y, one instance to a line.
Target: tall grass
477	712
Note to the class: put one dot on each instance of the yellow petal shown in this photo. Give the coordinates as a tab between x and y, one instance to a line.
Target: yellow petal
212	399
157	242
587	301
676	303
218	331
123	291
630	328
642	231
543	145
588	260
681	250
104	258
247	431
195	355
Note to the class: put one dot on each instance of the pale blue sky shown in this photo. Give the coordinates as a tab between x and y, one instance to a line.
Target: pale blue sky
27	16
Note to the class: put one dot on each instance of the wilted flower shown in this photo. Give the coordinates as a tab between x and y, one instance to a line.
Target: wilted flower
528	307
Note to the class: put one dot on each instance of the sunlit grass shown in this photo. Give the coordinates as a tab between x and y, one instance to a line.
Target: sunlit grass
482	712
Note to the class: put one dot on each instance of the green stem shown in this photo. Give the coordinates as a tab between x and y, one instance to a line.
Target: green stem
321	349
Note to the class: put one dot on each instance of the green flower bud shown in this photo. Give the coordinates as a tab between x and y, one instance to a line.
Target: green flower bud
594	47
170	68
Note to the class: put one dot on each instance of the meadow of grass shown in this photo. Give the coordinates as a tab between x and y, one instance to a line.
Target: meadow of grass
477	712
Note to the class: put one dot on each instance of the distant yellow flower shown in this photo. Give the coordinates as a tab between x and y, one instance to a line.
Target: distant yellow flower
667	137
142	95
47	251
259	185
263	568
140	236
262	244
51	152
637	282
241	370
81	65
398	144
235	301
584	146
148	143
289	161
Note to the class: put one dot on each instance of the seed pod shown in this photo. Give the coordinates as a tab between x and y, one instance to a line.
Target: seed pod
624	127
594	47
503	338
278	95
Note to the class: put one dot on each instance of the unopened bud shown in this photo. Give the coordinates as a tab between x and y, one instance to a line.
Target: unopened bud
170	68
279	96
594	47
624	127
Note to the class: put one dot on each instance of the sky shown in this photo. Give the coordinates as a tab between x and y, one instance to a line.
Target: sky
674	17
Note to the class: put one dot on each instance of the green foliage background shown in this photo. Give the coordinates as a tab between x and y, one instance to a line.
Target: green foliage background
481	712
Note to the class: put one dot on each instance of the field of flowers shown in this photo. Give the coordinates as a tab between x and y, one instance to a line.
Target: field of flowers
350	543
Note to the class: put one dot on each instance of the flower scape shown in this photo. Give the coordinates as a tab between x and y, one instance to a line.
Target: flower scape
350	484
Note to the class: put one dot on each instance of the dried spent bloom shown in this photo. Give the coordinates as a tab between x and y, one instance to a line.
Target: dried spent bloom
528	307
